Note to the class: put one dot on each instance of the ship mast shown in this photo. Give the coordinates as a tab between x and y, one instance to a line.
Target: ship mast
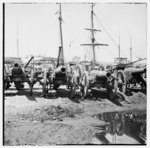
92	33
17	44
119	50
131	49
93	44
61	53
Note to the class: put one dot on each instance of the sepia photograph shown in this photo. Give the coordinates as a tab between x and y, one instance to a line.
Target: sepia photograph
74	73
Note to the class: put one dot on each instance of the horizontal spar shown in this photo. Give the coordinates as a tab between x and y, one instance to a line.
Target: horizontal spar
92	29
95	44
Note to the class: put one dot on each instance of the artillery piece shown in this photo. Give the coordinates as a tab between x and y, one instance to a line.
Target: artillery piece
102	80
54	77
86	76
18	75
129	76
60	76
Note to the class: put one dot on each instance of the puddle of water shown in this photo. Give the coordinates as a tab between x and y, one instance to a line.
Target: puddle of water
124	127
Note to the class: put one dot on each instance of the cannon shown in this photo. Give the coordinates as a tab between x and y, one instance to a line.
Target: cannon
87	77
60	71
17	70
59	76
18	75
54	77
101	80
131	78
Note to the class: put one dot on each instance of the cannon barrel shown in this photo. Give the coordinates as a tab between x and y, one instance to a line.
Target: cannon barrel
133	71
100	75
60	69
17	70
135	61
123	66
28	62
16	66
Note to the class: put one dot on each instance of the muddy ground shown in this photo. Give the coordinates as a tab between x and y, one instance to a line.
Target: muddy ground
59	120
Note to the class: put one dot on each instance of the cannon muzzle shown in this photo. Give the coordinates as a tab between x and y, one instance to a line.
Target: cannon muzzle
16	66
17	70
108	74
61	69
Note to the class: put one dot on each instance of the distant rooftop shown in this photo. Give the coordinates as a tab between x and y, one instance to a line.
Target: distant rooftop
11	60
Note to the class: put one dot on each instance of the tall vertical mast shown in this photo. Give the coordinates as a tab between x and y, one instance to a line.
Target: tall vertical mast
119	49
17	44
93	30
131	49
60	25
61	53
92	33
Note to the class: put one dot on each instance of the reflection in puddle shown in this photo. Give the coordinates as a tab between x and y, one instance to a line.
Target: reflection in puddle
130	125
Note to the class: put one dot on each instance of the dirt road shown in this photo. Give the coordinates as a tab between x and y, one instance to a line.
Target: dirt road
57	119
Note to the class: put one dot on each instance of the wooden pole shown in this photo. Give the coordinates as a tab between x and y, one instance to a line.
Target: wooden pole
92	33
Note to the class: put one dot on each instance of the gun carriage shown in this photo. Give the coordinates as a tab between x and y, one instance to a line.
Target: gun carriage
54	77
15	72
130	77
86	77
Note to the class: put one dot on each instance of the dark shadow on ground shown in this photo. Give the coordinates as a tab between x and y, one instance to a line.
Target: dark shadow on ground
103	139
31	98
116	102
128	93
118	99
13	88
63	93
139	90
54	94
121	98
76	98
94	94
98	94
22	92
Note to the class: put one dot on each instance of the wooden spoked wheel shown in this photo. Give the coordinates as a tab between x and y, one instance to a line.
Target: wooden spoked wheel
85	85
31	82
44	82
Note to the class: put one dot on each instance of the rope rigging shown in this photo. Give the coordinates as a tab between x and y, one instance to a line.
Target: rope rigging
70	30
110	52
108	34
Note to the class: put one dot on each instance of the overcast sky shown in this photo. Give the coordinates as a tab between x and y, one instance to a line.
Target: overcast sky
38	30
